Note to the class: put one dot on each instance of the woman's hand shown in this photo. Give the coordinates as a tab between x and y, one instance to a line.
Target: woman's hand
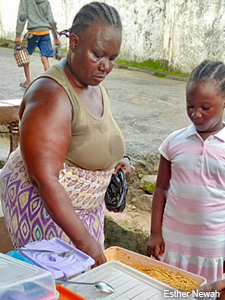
156	245
124	164
92	248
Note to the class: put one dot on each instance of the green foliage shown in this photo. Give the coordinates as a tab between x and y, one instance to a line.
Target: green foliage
152	65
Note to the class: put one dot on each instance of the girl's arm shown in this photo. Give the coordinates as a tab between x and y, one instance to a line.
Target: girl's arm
155	244
218	286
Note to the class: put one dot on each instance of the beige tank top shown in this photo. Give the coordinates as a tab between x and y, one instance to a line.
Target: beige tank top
96	143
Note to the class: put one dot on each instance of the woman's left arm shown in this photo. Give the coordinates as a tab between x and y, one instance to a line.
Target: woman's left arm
124	164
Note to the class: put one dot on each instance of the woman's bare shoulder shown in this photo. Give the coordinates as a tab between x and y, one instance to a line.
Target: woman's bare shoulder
45	89
45	93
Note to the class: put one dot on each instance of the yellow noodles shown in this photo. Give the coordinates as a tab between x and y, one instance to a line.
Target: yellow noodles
177	281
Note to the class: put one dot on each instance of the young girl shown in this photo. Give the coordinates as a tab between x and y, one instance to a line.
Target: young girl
188	210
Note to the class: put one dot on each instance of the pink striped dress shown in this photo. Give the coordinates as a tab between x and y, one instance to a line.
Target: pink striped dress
194	215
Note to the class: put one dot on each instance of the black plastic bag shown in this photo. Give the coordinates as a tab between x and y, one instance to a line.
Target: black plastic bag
115	196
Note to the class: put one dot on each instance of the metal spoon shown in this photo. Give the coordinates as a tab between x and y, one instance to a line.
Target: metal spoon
101	285
62	254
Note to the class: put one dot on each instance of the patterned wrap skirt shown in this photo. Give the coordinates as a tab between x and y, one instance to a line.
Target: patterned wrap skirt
27	219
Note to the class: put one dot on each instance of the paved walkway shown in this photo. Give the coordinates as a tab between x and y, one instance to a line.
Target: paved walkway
147	108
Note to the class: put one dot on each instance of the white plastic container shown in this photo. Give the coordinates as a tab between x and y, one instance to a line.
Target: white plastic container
129	257
127	282
23	281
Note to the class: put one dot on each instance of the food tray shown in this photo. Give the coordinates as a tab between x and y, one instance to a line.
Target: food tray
132	258
127	282
61	267
66	294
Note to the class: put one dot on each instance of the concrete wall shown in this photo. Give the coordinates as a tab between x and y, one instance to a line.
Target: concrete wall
182	32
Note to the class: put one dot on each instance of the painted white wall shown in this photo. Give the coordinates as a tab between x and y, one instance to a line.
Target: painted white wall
182	32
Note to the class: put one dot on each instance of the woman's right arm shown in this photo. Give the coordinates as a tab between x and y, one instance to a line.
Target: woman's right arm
155	246
45	135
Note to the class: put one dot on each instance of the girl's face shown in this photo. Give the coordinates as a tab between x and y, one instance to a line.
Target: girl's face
205	104
94	53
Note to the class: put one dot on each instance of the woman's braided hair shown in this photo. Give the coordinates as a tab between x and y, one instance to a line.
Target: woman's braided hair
91	13
210	70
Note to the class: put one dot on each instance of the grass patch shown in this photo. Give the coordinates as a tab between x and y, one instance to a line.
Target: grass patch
64	51
160	75
5	45
122	67
152	65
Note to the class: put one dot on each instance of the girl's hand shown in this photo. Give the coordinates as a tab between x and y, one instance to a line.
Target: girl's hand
124	163
214	286
156	246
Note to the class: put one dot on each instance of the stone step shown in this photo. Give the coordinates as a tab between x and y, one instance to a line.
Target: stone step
129	229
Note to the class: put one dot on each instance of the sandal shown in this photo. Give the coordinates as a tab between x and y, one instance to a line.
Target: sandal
23	85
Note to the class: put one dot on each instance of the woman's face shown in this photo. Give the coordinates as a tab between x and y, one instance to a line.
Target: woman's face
93	53
205	104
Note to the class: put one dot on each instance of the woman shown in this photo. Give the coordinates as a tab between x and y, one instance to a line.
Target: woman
54	184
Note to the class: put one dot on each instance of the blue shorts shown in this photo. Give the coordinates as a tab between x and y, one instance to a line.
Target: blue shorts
43	42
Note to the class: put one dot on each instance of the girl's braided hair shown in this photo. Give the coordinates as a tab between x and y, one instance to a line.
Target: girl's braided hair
210	70
91	13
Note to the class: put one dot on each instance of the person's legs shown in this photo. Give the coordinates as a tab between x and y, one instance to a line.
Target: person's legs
45	62
27	75
32	41
45	46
